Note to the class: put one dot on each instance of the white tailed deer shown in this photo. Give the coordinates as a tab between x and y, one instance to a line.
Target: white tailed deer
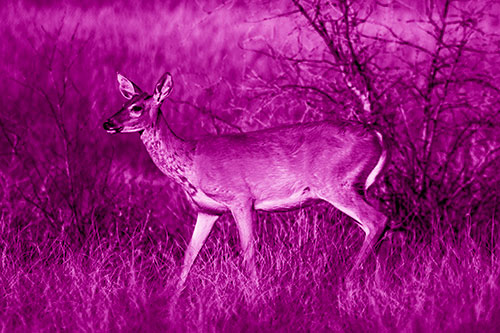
272	169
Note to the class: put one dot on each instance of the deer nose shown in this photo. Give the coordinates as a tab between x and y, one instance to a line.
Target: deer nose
108	125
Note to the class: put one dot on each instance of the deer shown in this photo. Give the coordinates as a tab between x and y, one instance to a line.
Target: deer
272	169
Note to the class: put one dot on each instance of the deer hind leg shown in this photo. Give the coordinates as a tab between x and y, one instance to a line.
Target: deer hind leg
373	224
368	218
243	216
204	223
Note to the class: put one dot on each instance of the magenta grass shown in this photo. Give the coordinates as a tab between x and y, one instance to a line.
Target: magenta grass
92	234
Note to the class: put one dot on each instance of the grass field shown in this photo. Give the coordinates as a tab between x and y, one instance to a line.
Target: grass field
92	235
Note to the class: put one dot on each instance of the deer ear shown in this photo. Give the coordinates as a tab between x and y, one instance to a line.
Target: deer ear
163	88
127	87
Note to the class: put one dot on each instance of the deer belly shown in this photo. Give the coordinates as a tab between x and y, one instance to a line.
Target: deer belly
283	203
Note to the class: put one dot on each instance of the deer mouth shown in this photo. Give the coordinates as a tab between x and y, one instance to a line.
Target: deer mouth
111	128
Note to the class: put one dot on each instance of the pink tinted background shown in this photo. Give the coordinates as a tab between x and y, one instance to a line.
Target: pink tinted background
89	223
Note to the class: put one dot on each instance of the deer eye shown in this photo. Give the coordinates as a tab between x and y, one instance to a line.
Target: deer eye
135	111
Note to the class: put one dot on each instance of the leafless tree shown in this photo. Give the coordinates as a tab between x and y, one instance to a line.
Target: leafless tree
429	80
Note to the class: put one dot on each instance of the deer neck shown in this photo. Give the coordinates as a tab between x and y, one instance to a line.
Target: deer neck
172	155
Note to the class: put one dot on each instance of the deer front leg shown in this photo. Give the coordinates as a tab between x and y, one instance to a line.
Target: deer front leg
243	215
204	223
